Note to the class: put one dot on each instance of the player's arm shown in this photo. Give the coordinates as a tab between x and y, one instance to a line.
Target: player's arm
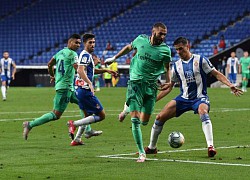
100	71
51	64
167	88
225	81
84	77
14	70
125	50
168	72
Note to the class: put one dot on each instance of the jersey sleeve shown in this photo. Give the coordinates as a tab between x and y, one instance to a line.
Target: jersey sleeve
207	65
168	57
135	42
84	59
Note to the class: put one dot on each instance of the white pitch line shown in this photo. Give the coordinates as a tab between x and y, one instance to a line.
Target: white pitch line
119	156
70	116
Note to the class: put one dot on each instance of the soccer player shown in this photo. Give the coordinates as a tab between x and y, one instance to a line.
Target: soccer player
232	68
65	61
96	76
152	59
7	70
190	71
88	102
245	70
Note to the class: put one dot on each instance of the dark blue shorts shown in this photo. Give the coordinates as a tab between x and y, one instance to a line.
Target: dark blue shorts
88	102
183	105
5	78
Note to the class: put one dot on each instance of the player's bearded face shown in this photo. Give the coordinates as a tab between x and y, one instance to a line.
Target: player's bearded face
159	35
90	45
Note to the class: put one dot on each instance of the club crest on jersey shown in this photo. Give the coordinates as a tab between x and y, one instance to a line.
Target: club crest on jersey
97	106
196	63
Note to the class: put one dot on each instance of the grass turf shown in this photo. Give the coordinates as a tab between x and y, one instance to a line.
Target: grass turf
47	153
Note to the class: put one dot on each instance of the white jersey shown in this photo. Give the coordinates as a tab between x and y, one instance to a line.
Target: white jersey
85	59
6	67
233	64
191	75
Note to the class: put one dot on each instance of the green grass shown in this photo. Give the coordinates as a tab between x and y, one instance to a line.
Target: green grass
48	155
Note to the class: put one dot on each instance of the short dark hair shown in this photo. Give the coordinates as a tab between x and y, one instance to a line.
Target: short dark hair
182	40
87	36
75	36
160	24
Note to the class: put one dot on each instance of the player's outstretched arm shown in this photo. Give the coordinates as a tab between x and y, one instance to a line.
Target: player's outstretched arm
51	64
165	89
125	50
224	80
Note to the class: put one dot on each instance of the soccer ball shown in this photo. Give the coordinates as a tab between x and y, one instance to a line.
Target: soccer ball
176	139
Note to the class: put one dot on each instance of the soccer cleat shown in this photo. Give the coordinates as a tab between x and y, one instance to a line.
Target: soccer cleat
76	143
121	116
26	130
211	151
150	151
141	158
72	129
4	99
91	133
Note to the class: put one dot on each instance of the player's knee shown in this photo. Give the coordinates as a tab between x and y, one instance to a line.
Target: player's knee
144	123
135	120
159	116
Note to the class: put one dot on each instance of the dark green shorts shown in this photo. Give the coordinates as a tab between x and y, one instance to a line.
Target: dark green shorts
246	75
62	99
141	96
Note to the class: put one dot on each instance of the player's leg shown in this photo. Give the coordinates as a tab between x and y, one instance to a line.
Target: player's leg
135	102
3	87
89	103
97	83
203	109
168	112
61	101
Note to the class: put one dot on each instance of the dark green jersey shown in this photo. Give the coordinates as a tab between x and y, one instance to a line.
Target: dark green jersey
148	63
245	63
65	72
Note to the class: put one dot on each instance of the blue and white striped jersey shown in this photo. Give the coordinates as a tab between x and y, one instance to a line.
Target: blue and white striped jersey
85	59
233	65
192	75
6	66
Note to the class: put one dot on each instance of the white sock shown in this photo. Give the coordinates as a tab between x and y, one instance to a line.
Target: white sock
3	88
79	133
155	132
208	132
87	120
126	109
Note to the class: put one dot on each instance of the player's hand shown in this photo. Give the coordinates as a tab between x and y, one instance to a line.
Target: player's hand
92	89
114	73
110	60
236	91
164	86
52	79
13	77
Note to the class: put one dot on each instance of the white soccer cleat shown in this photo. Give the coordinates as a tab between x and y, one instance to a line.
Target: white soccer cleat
141	158
91	133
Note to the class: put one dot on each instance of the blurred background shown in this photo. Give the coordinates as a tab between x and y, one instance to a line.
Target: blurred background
34	30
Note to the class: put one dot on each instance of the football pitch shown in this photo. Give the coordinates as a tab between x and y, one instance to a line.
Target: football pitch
47	153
